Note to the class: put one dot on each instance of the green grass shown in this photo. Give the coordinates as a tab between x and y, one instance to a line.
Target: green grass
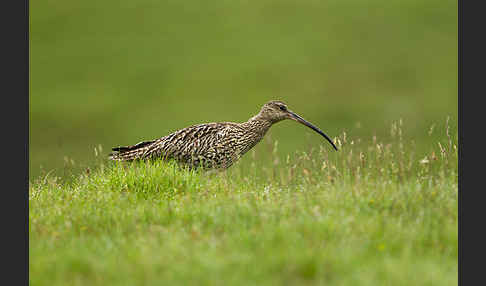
374	213
381	211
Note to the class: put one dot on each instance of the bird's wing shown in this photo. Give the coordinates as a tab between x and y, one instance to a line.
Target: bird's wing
196	140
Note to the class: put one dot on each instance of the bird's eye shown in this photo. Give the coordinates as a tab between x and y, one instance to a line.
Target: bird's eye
283	108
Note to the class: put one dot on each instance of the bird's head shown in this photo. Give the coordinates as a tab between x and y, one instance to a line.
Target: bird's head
275	111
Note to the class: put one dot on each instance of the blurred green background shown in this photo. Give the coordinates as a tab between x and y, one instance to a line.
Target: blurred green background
115	73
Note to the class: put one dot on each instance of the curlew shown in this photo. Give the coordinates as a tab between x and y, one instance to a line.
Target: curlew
213	145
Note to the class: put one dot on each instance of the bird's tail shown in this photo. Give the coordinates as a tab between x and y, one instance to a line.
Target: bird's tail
129	153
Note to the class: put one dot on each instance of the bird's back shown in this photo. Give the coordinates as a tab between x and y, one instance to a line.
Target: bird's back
210	145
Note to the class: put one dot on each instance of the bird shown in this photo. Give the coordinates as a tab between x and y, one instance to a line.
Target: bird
215	145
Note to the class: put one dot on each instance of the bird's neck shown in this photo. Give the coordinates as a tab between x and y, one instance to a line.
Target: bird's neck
258	124
254	130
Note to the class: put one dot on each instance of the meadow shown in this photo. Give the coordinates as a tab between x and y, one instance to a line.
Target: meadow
371	214
379	77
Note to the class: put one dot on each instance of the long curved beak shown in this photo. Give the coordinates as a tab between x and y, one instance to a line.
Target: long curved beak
299	119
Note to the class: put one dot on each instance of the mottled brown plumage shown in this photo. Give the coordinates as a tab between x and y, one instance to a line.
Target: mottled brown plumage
212	145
